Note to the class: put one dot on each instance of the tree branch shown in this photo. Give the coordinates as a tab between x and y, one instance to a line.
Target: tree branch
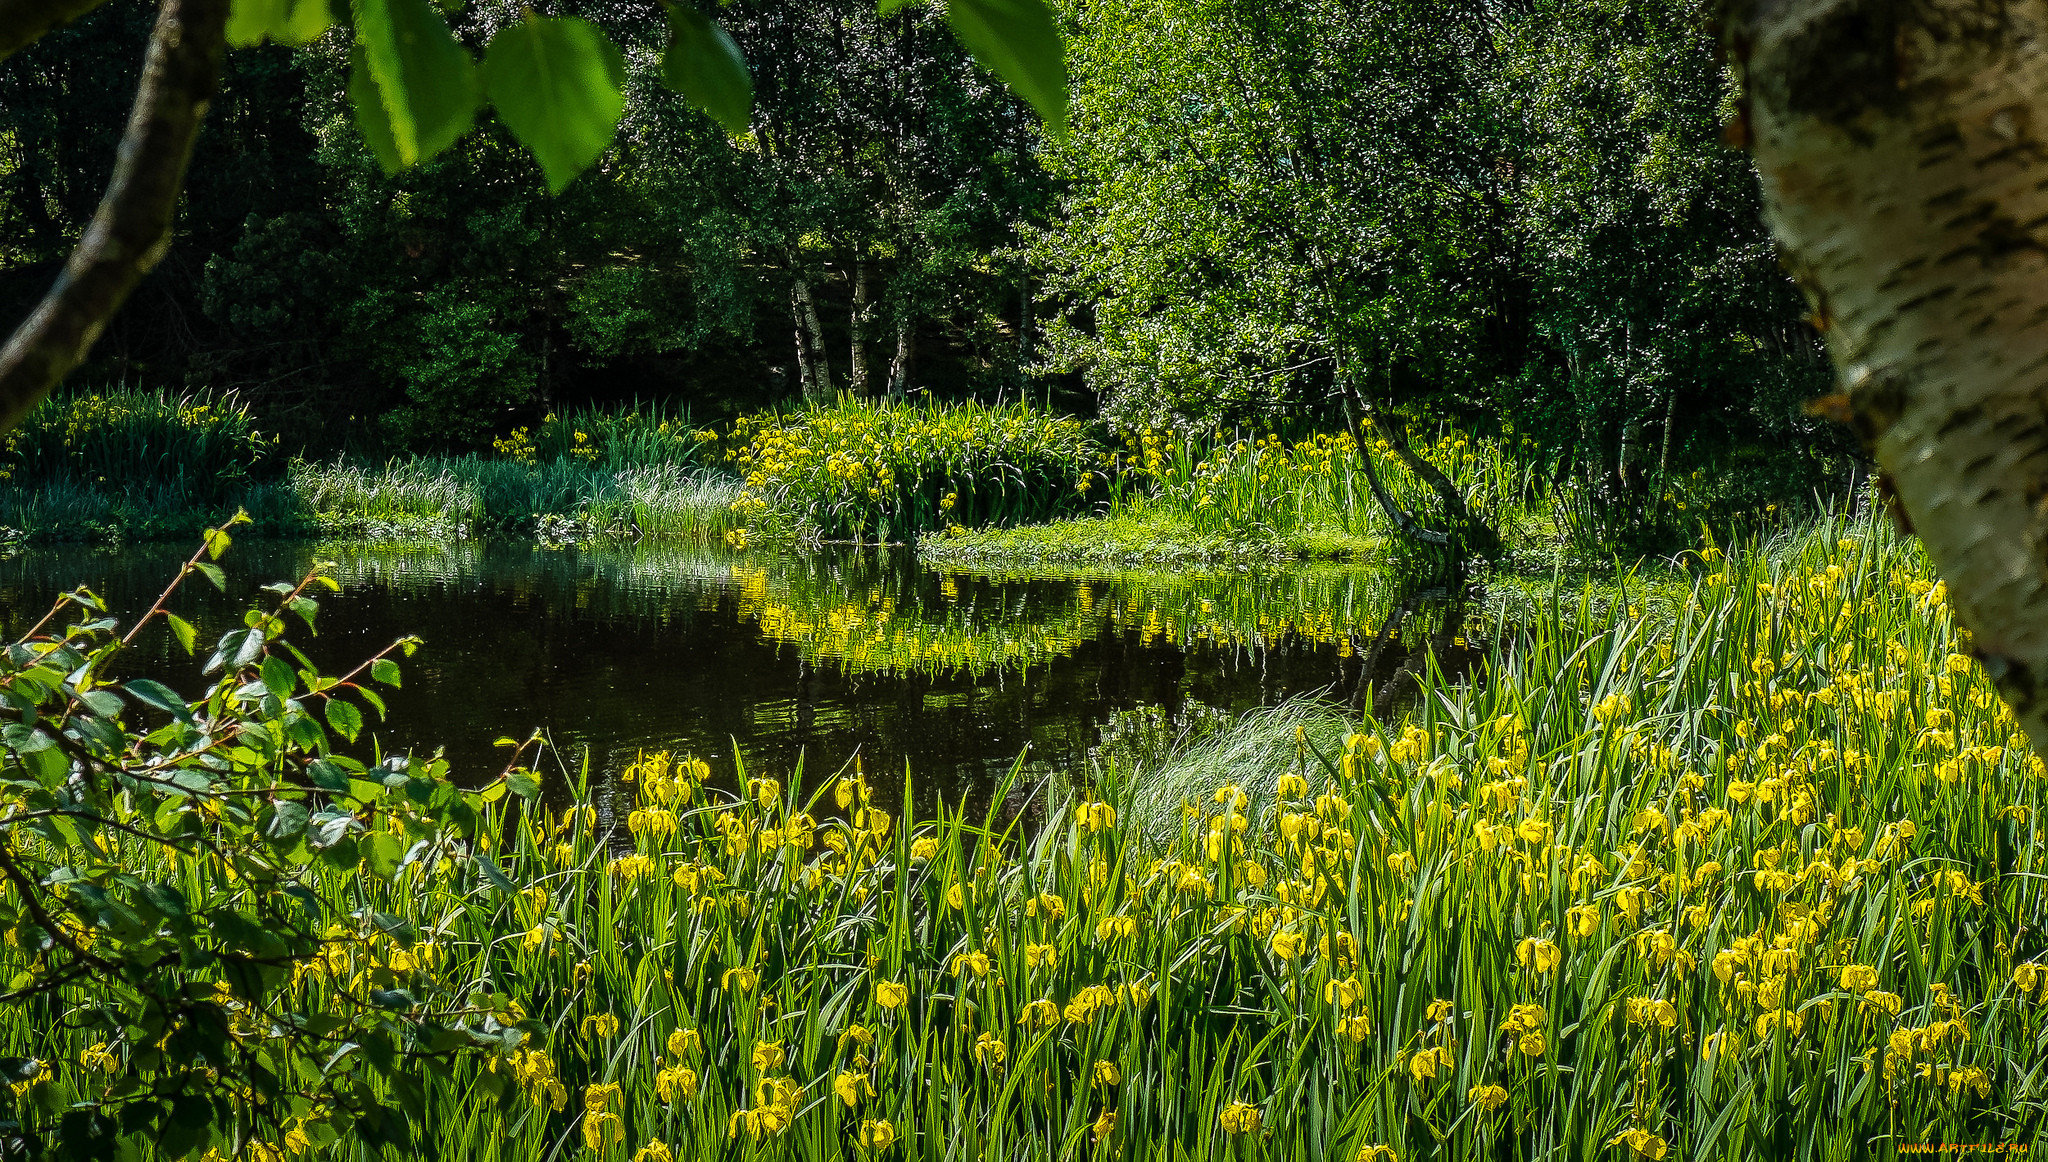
132	228
23	22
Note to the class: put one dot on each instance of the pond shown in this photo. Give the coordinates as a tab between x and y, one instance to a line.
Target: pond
810	658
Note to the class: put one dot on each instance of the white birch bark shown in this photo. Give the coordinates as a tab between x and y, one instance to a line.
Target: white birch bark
1903	149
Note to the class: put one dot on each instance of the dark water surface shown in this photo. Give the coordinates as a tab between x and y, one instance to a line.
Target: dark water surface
817	657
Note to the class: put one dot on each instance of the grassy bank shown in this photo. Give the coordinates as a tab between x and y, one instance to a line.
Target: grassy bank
1753	874
131	465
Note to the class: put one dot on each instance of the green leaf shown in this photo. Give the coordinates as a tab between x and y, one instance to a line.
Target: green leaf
559	86
1019	42
182	630
385	670
278	677
523	784
306	608
422	81
383	851
217	542
329	776
287	821
703	64
157	696
497	878
887	7
346	720
212	573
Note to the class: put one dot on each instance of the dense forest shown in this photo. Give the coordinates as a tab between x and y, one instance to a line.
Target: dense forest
1518	218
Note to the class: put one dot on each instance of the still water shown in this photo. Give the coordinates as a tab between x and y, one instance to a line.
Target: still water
812	659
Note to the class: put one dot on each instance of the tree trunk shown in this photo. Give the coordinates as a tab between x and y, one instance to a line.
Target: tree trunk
1024	320
906	350
804	377
1404	521
857	370
812	362
1468	531
1903	151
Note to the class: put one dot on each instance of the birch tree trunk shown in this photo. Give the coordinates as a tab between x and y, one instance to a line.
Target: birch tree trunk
815	365
906	350
857	369
1903	149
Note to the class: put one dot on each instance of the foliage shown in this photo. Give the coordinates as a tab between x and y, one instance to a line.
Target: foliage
615	438
1515	220
200	894
206	447
1236	482
856	471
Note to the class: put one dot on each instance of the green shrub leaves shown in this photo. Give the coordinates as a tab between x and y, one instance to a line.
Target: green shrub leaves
294	22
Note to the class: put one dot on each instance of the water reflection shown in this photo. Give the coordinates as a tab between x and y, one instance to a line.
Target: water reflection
824	656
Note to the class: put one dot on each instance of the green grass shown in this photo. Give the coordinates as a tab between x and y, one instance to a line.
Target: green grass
1752	874
1253	752
128	465
472	495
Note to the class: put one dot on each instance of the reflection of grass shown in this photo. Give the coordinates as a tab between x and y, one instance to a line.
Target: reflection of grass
1127	540
878	619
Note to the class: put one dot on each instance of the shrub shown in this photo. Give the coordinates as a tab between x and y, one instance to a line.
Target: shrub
640	436
203	448
858	471
205	896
